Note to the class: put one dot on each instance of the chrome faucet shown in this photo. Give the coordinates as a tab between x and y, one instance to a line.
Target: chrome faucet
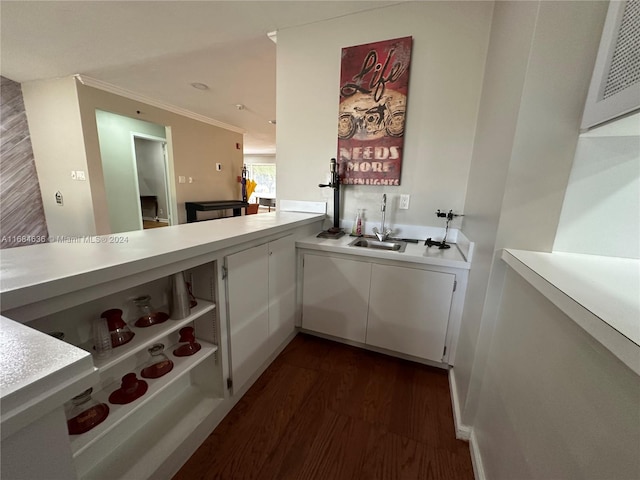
383	233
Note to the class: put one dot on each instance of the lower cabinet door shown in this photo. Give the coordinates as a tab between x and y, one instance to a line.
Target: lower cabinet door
335	296
282	290
409	310
248	300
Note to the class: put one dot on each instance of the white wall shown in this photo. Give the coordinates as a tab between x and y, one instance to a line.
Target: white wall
56	135
601	211
509	49
447	66
555	403
563	39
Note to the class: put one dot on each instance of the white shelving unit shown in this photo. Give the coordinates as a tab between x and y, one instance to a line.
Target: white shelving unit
120	413
138	455
147	336
136	438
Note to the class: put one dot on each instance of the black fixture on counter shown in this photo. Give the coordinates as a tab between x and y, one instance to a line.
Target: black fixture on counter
335	231
443	244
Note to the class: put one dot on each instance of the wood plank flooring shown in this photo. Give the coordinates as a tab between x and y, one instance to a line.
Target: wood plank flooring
153	224
327	411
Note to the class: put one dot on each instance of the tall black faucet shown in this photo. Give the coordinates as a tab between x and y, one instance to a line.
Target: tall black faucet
335	231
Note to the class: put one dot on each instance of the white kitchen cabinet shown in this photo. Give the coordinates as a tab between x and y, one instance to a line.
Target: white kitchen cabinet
261	304
335	296
397	304
282	290
137	438
247	306
409	310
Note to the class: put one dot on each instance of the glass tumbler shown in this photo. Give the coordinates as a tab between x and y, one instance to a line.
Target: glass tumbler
101	338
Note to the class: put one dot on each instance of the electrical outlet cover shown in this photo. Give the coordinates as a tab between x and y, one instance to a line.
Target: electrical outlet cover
404	202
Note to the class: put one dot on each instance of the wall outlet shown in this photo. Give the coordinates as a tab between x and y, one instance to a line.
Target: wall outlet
80	175
404	202
182	179
190	179
218	166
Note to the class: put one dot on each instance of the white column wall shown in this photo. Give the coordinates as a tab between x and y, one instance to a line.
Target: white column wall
447	66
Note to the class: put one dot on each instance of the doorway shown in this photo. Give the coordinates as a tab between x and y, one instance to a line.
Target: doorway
117	136
150	156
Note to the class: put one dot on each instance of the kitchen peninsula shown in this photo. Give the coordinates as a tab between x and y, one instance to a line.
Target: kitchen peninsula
62	287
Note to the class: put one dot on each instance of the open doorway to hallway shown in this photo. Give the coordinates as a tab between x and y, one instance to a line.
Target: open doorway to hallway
135	168
151	167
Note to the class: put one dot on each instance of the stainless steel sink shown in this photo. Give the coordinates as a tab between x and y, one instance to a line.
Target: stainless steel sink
389	245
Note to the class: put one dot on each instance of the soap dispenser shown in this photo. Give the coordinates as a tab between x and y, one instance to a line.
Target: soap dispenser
356	230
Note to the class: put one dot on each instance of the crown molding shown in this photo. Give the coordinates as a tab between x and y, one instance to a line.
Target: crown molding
123	92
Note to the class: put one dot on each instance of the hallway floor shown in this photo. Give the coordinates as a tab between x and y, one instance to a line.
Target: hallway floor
323	410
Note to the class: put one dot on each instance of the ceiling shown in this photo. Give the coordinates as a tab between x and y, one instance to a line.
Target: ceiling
159	48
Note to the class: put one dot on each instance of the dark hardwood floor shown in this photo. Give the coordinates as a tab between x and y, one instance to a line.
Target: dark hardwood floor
327	411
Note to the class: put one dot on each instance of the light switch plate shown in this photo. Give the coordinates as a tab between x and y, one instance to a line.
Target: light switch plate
404	201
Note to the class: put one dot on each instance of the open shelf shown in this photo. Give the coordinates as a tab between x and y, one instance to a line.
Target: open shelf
119	413
145	337
139	454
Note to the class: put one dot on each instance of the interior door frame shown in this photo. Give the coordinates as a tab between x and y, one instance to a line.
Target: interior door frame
169	192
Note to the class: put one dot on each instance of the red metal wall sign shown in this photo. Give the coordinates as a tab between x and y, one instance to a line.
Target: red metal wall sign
374	83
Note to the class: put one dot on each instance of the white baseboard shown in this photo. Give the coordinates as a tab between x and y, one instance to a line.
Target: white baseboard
463	432
476	458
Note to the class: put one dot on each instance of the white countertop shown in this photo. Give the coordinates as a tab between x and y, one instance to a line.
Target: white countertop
32	273
38	374
414	253
601	294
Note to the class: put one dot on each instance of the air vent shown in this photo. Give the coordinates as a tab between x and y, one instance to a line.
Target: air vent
615	84
625	62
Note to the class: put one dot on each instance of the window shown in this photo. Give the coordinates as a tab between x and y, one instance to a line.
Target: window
264	174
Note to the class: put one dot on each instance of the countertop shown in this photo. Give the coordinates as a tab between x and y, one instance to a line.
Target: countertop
38	374
36	272
453	257
601	294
